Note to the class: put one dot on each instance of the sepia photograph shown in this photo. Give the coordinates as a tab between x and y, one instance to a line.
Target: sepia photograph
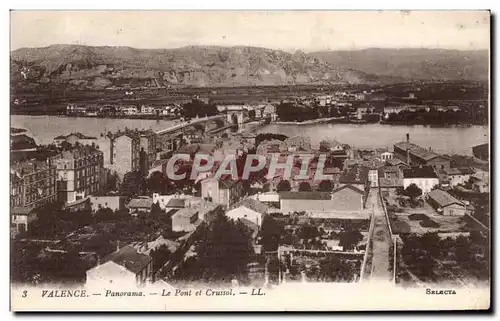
249	160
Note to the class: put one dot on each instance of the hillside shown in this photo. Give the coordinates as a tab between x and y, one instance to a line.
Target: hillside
101	67
423	64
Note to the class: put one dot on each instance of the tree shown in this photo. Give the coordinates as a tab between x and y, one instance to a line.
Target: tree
284	186
349	238
270	233
112	182
133	184
156	209
305	187
413	191
224	250
160	256
157	183
325	186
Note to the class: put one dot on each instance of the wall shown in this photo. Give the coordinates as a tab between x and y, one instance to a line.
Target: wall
454	210
347	200
122	155
439	163
112	202
425	184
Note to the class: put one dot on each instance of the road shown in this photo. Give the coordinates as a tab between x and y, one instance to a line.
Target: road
381	239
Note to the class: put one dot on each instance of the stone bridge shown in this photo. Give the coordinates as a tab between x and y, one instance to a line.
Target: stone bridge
170	138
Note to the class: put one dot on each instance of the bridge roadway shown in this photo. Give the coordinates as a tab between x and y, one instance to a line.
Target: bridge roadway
189	123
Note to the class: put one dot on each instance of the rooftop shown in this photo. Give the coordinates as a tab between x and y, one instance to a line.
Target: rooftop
79	152
356	174
187	212
443	198
419	172
253	205
305	195
417	150
177	203
26	167
129	258
78	135
140	203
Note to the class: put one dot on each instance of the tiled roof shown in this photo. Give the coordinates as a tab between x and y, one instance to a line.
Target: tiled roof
80	151
29	166
305	195
331	170
390	182
177	203
419	172
129	258
186	212
21	210
355	174
253	205
140	203
443	198
417	150
350	187
79	135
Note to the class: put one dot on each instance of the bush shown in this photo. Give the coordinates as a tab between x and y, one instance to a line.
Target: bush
429	223
418	217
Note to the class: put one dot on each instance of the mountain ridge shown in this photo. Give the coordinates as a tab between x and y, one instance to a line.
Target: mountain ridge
413	63
199	66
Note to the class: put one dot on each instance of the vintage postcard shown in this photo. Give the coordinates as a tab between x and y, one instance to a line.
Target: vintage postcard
249	160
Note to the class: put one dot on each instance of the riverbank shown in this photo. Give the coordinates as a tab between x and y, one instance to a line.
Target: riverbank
314	121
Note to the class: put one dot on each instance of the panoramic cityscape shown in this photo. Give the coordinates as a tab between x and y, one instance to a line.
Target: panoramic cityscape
242	166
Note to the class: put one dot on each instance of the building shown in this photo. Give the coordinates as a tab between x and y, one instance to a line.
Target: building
32	183
480	181
416	155
186	220
269	198
249	209
222	192
386	156
124	153
80	173
296	143
346	198
196	210
147	110
481	151
74	138
445	204
456	176
373	177
21	219
140	205
424	177
129	111
269	111
356	176
147	139
124	267
114	203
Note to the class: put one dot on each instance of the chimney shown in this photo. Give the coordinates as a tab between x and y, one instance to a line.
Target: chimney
407	137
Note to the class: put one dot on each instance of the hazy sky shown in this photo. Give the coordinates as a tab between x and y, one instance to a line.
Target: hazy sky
288	30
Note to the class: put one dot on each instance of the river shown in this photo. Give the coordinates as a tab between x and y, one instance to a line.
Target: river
446	140
458	140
